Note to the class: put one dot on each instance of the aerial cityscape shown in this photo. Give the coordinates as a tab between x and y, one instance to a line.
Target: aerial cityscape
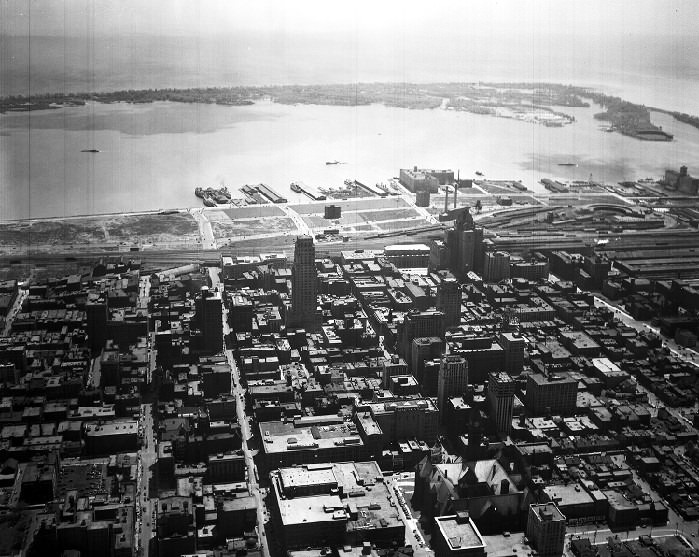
307	280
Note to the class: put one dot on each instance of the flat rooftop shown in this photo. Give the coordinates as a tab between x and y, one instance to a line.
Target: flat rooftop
281	437
362	491
302	476
401	248
459	531
551	510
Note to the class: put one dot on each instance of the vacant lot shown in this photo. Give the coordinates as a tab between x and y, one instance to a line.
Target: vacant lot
389	214
400	224
317	222
159	228
106	229
28	234
252	212
224	227
351	205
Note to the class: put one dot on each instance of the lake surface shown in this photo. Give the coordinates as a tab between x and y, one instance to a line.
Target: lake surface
153	155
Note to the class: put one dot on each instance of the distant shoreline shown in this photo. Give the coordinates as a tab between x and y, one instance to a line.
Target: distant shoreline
482	98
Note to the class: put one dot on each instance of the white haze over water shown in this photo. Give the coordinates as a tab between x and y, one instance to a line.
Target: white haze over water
646	51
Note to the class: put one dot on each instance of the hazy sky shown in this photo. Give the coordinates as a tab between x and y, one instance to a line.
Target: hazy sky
635	46
353	18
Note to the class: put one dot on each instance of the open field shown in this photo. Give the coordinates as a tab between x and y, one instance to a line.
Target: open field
351	205
254	211
226	224
107	230
400	224
389	214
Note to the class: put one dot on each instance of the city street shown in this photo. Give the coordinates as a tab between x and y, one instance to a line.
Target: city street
208	240
146	505
688	355
239	393
402	486
14	310
641	326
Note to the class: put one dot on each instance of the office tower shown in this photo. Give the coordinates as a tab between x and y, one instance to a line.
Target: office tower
513	346
496	266
304	285
391	367
546	529
553	394
449	301
421	349
429	323
465	245
452	380
439	255
96	313
501	395
208	306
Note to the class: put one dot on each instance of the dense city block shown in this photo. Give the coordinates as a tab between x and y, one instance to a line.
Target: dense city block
452	399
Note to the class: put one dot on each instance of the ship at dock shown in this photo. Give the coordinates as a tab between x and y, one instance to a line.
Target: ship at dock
312	192
213	196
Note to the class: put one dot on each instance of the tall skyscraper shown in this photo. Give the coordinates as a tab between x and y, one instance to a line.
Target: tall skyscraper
209	308
452	380
501	395
449	301
304	285
465	245
96	312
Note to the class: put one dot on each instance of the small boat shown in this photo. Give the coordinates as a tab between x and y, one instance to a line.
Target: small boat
479	173
199	192
90	151
208	201
333	162
567	164
296	188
